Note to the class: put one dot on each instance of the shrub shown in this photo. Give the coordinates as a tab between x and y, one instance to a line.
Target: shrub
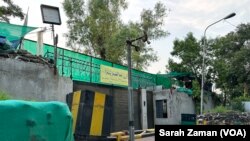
237	103
4	95
219	109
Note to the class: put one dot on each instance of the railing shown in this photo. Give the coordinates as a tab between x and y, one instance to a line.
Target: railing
82	67
89	71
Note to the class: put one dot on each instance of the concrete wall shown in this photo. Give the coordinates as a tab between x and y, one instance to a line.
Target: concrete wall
32	81
177	104
208	103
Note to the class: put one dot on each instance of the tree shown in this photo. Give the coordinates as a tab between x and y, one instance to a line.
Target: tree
95	28
227	61
10	10
189	54
231	63
188	51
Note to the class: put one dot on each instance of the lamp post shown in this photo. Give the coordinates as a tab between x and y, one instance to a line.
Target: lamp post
129	42
203	57
51	15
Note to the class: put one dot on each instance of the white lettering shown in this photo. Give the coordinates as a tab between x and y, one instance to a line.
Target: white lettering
162	132
191	132
232	132
239	133
171	133
225	132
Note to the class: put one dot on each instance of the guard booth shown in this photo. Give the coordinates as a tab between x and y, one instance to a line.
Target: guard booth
91	113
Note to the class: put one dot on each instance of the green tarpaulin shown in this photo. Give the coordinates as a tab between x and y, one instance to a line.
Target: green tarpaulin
185	90
14	32
35	121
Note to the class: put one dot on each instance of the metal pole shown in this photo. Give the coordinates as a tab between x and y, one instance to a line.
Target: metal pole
130	95
55	48
130	87
202	74
203	57
62	61
90	73
203	64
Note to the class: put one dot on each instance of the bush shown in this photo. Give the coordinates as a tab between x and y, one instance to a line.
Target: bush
237	103
4	95
219	109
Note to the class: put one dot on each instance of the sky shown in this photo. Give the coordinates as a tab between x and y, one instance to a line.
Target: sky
184	16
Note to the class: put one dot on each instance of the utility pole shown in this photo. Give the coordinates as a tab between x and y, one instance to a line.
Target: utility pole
129	42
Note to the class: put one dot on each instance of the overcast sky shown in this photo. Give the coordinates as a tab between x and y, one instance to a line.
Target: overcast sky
184	16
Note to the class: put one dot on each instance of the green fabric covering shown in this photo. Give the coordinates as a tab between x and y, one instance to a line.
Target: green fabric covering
164	81
35	121
178	74
14	32
85	68
185	90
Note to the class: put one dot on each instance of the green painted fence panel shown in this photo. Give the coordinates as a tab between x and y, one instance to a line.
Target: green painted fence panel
85	68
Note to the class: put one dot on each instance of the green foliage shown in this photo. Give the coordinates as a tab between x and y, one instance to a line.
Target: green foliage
96	29
152	21
227	61
10	10
219	109
196	95
231	61
197	108
188	52
4	95
237	104
196	90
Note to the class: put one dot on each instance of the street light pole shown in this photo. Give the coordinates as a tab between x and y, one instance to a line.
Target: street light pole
203	57
129	42
130	94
